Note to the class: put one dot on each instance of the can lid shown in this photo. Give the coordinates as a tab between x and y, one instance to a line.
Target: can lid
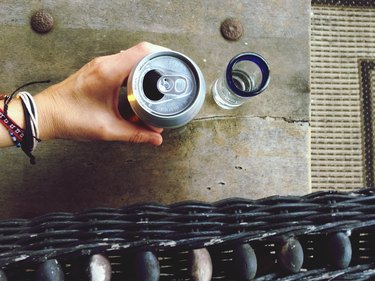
166	89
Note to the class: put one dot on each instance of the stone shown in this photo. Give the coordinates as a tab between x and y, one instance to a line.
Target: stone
146	266
200	265
3	277
290	255
339	250
99	268
50	270
244	264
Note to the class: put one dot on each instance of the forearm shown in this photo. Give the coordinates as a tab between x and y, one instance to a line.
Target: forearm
85	105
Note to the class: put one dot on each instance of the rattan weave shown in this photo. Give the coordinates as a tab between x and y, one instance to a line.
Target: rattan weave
170	232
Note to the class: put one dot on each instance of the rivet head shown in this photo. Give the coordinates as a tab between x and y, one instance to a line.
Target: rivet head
231	29
42	22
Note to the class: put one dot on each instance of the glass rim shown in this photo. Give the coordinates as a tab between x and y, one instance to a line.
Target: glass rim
260	62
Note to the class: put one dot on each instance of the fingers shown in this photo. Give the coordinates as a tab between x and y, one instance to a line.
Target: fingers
125	131
134	119
147	47
155	129
140	135
119	65
154	139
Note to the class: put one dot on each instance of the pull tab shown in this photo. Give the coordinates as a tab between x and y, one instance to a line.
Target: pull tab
172	84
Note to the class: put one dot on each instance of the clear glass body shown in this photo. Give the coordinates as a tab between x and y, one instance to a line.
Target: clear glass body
223	96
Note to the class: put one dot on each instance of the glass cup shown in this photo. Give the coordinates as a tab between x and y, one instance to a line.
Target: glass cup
246	76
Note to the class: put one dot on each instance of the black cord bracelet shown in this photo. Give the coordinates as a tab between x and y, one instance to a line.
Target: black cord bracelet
27	142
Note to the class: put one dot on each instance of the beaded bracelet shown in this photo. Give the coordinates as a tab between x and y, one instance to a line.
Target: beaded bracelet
30	135
16	133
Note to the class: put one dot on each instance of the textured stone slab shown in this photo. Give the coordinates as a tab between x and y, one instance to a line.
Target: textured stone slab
258	150
206	160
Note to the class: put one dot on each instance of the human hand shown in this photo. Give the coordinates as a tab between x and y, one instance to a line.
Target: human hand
85	105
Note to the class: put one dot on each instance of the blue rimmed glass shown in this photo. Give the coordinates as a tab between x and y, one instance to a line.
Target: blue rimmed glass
246	76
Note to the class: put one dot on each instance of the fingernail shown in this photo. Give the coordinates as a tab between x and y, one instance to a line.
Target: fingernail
157	139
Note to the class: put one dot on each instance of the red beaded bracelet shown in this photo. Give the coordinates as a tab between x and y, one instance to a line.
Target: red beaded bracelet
16	132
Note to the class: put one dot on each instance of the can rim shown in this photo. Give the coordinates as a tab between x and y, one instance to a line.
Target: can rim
160	120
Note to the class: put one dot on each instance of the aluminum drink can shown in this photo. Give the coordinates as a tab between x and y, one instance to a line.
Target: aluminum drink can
166	89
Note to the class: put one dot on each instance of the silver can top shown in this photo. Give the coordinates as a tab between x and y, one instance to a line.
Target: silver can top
166	89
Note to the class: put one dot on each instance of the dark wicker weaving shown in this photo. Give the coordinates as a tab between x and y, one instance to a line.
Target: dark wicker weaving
335	230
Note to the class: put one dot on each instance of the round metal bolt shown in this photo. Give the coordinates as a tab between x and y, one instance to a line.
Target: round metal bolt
42	22
231	29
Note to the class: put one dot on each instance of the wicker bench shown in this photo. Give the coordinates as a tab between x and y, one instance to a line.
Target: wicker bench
320	236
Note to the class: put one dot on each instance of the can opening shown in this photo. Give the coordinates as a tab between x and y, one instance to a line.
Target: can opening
150	85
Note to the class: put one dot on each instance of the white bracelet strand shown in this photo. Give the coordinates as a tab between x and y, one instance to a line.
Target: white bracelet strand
29	103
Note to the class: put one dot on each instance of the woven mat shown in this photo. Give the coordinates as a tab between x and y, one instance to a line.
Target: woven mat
342	87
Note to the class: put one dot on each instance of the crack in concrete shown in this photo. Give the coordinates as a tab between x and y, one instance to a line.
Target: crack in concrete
226	117
286	119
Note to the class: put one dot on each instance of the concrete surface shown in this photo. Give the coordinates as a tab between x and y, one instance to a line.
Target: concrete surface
257	150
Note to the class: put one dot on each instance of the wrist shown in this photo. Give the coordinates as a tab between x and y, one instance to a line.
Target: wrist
46	107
